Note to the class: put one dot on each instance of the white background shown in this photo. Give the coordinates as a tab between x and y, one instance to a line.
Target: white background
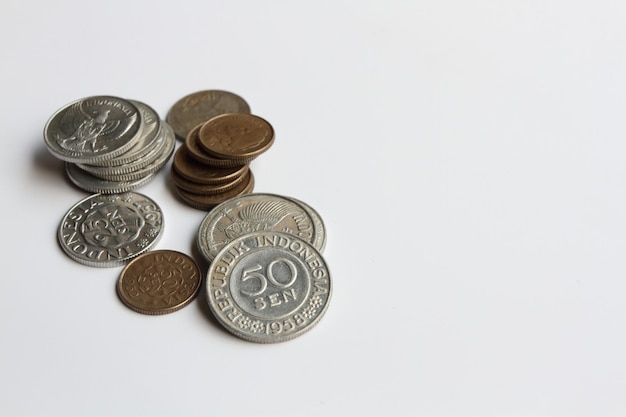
467	159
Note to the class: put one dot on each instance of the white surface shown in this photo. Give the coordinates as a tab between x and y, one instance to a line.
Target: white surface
466	157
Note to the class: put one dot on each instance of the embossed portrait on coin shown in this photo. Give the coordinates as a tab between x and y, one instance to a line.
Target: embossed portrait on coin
112	225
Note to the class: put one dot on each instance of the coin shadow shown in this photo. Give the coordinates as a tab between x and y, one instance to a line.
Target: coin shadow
45	164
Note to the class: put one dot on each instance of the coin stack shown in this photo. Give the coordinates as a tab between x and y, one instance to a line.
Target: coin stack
213	164
109	144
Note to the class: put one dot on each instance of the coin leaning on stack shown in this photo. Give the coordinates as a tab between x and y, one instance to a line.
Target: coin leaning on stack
109	144
213	164
267	281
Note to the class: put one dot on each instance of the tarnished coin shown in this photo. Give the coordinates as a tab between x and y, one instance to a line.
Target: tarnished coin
268	287
198	107
318	224
193	170
196	188
199	154
208	201
93	129
106	230
252	213
236	136
159	282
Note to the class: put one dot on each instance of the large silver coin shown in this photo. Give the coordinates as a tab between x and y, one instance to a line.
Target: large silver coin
93	129
251	213
148	141
105	230
268	287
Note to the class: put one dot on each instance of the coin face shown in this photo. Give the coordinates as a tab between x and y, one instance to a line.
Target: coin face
93	129
236	136
106	230
251	213
159	282
201	106
268	287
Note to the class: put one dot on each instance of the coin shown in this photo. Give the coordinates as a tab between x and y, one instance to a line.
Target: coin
198	107
196	151
268	287
86	181
159	282
196	188
105	230
194	171
208	201
236	136
254	212
93	129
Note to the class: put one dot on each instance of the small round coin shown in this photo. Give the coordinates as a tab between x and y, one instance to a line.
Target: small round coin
236	136
209	201
106	230
198	107
195	171
159	282
268	287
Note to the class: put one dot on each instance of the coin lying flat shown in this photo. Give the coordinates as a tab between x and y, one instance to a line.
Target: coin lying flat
268	287
106	230
159	282
236	136
93	129
198	107
192	143
193	170
255	212
209	201
204	189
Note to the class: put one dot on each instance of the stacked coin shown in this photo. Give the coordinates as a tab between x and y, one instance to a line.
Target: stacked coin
109	144
213	164
267	281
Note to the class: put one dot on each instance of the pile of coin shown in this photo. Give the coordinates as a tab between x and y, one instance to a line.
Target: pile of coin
109	144
213	164
267	281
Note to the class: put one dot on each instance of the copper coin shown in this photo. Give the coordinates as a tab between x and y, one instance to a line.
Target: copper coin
208	201
196	188
197	172
199	154
198	107
159	282
236	136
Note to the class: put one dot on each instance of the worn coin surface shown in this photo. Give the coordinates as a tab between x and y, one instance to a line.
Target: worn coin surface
198	107
93	129
236	136
198	153
268	287
197	188
106	230
252	213
159	282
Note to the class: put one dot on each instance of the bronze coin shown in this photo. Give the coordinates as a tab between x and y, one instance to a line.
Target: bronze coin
159	282
195	171
198	153
198	107
196	188
236	136
208	201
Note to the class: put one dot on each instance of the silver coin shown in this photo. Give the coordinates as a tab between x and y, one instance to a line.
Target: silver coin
93	129
150	163
88	182
251	213
318	223
148	141
268	287
105	230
